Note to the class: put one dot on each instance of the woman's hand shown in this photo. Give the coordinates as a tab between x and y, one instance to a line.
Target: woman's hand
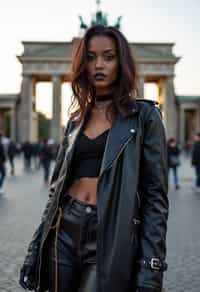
26	277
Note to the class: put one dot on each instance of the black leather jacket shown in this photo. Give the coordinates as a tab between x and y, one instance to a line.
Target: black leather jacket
132	202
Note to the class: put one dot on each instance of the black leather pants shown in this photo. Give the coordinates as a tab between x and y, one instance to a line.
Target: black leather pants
72	248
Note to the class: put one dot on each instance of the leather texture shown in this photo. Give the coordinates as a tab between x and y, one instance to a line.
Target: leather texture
132	201
74	263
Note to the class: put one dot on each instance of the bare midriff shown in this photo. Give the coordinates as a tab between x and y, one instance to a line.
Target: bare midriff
84	189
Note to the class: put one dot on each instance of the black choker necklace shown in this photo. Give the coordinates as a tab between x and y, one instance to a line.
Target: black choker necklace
103	97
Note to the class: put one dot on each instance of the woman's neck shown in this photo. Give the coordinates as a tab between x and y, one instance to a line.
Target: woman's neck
103	100
104	91
106	97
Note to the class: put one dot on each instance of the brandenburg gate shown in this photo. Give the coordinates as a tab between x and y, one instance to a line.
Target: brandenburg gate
51	61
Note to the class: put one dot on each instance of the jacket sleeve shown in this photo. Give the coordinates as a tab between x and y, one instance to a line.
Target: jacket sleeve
153	188
33	248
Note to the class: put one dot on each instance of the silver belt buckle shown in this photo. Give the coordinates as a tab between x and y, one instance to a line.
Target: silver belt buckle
155	264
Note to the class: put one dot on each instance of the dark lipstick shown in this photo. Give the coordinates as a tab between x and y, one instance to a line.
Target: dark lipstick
99	76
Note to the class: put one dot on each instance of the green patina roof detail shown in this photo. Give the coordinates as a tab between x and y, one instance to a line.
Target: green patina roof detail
187	97
9	96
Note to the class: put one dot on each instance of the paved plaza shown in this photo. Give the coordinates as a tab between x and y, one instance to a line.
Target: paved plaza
25	198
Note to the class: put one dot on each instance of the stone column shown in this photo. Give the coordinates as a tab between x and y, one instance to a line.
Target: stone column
141	87
182	125
25	110
13	124
56	113
169	107
35	135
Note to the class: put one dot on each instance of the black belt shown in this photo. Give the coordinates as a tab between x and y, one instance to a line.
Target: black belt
153	264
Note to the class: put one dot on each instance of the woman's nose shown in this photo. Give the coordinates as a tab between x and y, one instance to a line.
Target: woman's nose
99	63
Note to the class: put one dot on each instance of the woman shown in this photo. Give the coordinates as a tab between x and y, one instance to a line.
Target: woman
173	160
104	226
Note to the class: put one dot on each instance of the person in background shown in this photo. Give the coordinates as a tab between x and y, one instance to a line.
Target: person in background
12	151
27	150
2	164
36	147
188	148
45	158
196	160
173	160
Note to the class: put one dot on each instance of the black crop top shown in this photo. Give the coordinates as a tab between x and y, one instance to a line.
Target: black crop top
88	156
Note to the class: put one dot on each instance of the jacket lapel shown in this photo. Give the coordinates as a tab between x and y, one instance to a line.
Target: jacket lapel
122	131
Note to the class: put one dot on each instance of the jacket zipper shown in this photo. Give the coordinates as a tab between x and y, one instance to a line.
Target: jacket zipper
119	153
139	200
111	163
136	222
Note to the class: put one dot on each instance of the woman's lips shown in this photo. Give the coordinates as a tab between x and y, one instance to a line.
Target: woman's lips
99	76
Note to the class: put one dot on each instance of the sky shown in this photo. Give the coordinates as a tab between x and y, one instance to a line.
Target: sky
175	21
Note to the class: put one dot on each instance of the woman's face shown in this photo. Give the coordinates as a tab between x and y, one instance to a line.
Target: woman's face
102	66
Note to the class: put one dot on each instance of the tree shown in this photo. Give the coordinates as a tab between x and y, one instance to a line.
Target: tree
43	126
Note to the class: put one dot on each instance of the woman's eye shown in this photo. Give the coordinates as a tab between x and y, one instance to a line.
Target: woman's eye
90	57
109	57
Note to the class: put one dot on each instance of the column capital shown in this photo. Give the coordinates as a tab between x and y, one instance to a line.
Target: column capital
56	77
170	77
26	77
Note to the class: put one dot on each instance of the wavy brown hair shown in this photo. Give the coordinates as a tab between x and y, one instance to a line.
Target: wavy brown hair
125	87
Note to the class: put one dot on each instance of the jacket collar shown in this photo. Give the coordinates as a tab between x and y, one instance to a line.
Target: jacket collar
132	108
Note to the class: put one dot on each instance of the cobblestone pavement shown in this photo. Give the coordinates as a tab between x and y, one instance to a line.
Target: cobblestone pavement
20	210
183	238
25	198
